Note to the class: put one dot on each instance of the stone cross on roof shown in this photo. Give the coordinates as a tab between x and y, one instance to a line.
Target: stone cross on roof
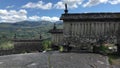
54	26
14	36
66	10
40	36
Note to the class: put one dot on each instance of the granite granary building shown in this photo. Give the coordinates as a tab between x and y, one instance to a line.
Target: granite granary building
27	45
83	30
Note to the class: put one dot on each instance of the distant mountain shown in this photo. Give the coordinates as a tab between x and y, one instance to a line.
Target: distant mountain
29	23
27	29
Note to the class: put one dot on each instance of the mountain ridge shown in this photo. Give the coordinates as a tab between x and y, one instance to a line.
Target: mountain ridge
27	29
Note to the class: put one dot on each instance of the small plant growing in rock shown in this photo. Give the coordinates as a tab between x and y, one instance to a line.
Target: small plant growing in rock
61	49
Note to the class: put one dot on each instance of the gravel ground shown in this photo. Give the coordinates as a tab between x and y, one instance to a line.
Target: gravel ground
54	60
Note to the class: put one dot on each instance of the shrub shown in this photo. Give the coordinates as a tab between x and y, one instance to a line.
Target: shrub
6	45
46	45
103	49
61	49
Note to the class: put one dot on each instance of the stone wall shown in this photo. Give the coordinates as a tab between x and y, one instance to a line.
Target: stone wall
28	45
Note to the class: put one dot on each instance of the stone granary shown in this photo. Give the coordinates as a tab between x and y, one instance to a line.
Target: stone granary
27	45
57	35
83	30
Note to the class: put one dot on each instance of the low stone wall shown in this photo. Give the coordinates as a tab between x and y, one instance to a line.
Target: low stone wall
27	45
7	52
24	46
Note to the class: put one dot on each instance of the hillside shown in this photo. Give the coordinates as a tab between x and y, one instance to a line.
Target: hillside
27	29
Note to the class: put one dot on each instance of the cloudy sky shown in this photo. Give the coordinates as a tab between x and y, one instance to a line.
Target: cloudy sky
50	10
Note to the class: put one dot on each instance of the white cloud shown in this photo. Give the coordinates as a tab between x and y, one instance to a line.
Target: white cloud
38	5
114	1
13	15
10	6
43	18
59	5
96	2
3	12
51	19
70	3
34	18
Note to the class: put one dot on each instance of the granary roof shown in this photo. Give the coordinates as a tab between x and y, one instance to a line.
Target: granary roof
27	40
83	16
55	31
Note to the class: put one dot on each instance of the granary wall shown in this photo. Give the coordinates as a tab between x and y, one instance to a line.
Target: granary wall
57	38
89	29
92	29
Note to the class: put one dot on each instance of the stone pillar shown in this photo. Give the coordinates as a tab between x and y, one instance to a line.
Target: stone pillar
96	30
118	39
96	27
55	39
93	26
99	29
105	28
79	28
82	29
71	29
74	29
64	31
90	30
109	29
114	28
86	28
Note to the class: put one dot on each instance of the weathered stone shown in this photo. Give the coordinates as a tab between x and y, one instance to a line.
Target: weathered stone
54	60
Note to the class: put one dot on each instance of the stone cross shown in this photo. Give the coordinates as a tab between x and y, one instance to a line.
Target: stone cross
66	10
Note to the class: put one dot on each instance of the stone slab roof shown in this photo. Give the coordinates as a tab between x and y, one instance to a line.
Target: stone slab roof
27	40
82	16
56	31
